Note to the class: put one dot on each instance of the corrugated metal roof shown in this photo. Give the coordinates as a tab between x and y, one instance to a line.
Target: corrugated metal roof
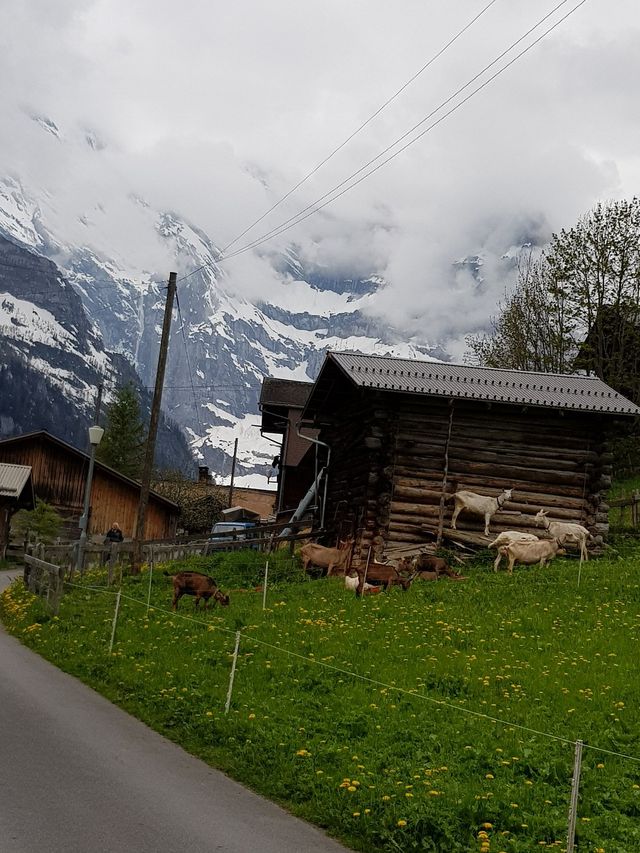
550	390
13	479
285	392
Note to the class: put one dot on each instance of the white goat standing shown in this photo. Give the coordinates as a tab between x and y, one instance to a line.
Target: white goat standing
479	505
565	531
509	537
531	552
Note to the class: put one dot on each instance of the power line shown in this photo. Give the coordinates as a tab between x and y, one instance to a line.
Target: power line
347	140
364	124
315	206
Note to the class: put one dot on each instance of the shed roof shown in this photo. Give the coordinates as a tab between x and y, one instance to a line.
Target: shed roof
13	479
285	392
43	435
438	379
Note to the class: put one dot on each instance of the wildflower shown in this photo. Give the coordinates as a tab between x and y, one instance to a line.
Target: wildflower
599	766
252	716
352	788
302	752
402	822
386	797
489	776
356	814
487	825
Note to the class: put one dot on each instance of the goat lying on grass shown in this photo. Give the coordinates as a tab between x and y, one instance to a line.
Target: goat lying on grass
529	553
482	505
428	567
566	532
509	537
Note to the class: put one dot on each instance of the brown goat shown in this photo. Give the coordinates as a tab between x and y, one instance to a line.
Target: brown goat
428	567
382	574
195	583
327	558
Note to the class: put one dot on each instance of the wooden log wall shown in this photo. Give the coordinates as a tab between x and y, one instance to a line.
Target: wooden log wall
360	483
559	462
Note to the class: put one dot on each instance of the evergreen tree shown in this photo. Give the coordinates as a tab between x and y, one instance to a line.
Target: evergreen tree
41	524
122	446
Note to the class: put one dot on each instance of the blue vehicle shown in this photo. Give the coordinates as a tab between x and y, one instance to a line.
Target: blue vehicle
225	532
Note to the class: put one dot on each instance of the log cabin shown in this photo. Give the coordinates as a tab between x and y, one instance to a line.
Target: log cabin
58	473
404	435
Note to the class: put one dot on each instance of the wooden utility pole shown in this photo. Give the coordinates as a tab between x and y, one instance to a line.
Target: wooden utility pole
136	558
233	471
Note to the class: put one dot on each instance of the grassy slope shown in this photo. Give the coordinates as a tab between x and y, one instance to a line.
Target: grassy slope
361	758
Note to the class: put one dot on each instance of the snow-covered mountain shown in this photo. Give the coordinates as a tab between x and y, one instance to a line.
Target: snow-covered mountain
222	343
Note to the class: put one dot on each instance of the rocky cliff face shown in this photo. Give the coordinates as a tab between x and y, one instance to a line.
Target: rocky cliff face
52	358
100	300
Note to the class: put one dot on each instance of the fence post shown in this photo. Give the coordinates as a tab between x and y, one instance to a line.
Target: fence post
264	586
573	803
113	551
150	564
233	673
115	621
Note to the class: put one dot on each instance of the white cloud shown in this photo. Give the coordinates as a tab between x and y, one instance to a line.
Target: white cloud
200	106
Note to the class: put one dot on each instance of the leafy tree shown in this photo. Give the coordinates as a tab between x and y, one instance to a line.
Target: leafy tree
532	331
578	305
122	446
41	524
200	503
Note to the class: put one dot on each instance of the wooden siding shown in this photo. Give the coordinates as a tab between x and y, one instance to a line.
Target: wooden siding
59	478
394	456
261	501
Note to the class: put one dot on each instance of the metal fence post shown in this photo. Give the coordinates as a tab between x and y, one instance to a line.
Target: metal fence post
264	586
115	621
573	803
233	673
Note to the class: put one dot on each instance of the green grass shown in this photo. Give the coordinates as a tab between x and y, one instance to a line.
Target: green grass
383	763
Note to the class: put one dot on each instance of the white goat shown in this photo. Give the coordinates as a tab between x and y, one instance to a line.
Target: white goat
352	583
566	532
479	505
531	552
509	537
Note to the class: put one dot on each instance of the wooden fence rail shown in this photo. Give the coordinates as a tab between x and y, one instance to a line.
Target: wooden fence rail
46	580
631	502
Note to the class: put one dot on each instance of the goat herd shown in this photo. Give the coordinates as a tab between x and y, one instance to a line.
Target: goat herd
516	546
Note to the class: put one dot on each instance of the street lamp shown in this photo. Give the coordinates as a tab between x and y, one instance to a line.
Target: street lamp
95	437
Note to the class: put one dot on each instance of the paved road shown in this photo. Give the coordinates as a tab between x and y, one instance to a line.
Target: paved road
78	775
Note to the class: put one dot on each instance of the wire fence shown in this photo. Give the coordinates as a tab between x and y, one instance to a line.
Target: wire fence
244	636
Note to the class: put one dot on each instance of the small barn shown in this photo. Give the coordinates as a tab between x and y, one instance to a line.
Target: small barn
16	492
59	472
404	435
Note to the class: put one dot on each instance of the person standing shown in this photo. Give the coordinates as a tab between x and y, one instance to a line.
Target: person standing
114	534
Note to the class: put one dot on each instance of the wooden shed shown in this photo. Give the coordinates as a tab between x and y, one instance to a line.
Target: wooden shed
16	492
404	435
59	473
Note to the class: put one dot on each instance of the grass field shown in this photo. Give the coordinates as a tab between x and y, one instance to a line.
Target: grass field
399	758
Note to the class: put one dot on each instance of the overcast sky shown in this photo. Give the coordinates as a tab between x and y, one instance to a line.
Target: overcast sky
214	110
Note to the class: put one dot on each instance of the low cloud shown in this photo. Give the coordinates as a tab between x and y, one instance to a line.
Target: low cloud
215	114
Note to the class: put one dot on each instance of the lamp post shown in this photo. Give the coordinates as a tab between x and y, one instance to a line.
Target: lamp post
95	437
